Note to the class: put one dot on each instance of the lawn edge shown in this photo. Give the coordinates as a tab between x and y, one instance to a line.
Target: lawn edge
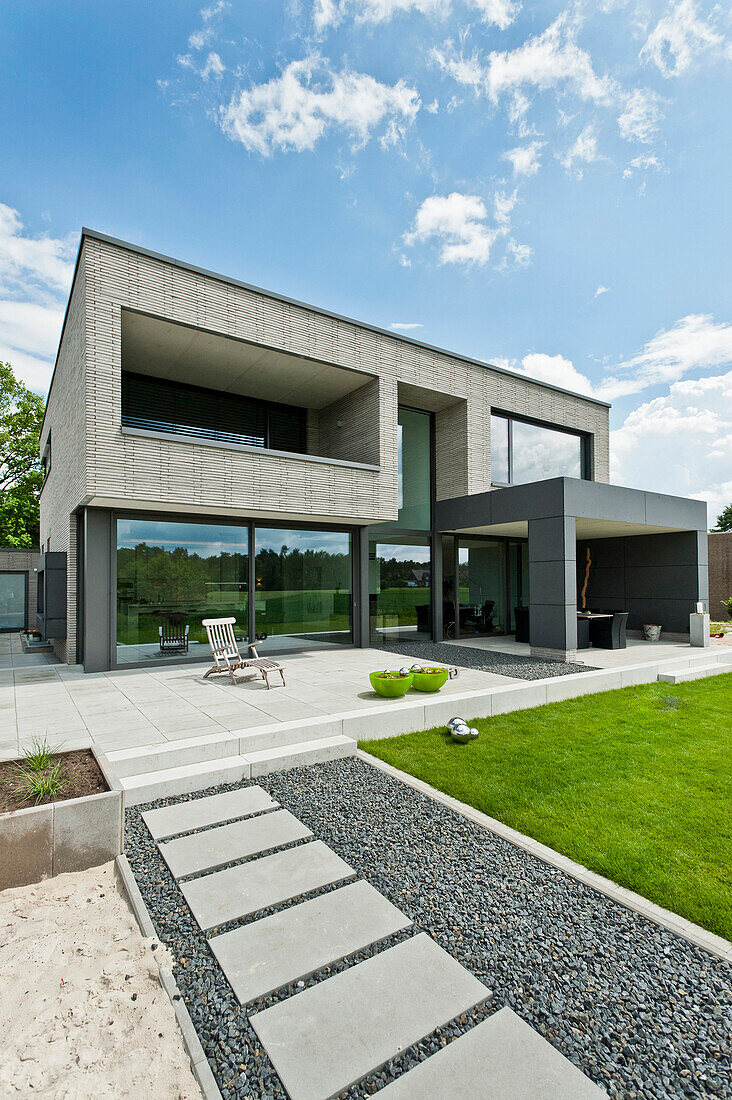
672	922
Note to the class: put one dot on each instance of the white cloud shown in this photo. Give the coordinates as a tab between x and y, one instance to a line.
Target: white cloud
525	159
678	38
294	111
640	116
458	224
404	326
201	37
35	275
601	290
642	163
214	66
556	370
695	342
680	443
548	60
582	151
329	13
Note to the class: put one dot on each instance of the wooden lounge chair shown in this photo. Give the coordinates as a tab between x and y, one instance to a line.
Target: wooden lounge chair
226	653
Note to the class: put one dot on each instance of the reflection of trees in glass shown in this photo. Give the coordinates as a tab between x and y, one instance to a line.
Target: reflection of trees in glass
157	575
295	569
396	574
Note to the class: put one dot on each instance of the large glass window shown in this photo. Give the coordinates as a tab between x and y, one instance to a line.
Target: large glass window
302	588
400	589
482	586
170	576
522	452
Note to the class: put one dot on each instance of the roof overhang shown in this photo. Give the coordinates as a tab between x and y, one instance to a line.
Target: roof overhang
600	510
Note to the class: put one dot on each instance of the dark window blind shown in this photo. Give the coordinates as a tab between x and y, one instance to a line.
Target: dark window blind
162	405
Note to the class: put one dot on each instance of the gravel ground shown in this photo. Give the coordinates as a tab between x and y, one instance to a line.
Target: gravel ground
485	660
640	1011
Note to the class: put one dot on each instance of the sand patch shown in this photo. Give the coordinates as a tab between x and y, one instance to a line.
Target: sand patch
82	1013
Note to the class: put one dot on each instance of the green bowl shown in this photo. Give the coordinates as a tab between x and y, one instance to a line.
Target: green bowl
390	688
430	681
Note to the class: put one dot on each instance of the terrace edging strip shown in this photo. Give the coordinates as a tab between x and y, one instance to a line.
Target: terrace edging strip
199	1062
671	922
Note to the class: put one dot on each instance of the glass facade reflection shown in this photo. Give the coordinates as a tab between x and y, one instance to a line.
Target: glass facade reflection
482	586
170	576
302	593
400	589
523	452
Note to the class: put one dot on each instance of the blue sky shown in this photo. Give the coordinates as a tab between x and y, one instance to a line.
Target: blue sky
540	185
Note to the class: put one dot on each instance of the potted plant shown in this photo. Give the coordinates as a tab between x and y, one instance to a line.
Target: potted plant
429	678
651	632
391	684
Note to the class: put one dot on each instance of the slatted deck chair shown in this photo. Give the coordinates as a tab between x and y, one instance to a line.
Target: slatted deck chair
173	633
226	653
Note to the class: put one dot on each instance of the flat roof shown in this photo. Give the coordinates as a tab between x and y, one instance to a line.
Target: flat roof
93	234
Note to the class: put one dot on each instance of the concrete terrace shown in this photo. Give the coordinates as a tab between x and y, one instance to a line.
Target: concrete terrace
327	693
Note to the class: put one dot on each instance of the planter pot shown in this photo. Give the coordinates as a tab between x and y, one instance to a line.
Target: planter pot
70	835
651	633
391	687
430	679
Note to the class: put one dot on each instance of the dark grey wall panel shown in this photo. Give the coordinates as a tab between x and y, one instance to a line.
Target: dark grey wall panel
98	595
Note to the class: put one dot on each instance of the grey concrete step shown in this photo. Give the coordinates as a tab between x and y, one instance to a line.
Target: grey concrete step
197	852
240	891
500	1059
184	779
331	1035
173	754
200	812
297	755
286	946
696	672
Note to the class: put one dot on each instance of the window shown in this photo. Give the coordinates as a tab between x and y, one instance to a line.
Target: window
171	576
302	588
160	405
414	471
522	452
400	589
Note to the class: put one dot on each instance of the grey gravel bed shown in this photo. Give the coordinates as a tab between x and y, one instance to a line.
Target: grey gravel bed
640	1011
484	660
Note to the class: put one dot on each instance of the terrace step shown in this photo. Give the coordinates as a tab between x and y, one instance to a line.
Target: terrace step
696	672
296	756
164	755
183	780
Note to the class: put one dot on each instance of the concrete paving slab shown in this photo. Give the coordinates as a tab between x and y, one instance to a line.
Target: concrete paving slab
189	855
260	957
199	812
499	1059
243	890
331	1035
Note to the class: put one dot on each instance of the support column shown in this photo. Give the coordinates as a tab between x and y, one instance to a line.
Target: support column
97	590
553	588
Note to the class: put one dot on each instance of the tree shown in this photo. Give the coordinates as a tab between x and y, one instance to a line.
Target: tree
21	475
724	519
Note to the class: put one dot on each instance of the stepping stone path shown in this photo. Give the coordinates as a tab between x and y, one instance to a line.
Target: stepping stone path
331	1035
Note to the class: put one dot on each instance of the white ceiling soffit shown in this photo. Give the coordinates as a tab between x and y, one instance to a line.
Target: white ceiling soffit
586	529
167	349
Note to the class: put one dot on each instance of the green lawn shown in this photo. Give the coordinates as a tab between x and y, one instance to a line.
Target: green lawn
635	784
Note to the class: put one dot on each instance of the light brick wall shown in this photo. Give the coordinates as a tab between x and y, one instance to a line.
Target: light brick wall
451	451
66	486
358	437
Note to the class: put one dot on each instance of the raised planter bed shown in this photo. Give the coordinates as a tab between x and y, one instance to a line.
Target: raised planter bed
34	643
81	828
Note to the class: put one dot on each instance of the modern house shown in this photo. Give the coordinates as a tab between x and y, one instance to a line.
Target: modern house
211	448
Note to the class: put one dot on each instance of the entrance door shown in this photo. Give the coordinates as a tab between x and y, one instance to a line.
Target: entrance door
13	601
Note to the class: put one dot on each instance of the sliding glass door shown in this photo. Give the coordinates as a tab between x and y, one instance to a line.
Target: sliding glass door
482	580
302	588
171	576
